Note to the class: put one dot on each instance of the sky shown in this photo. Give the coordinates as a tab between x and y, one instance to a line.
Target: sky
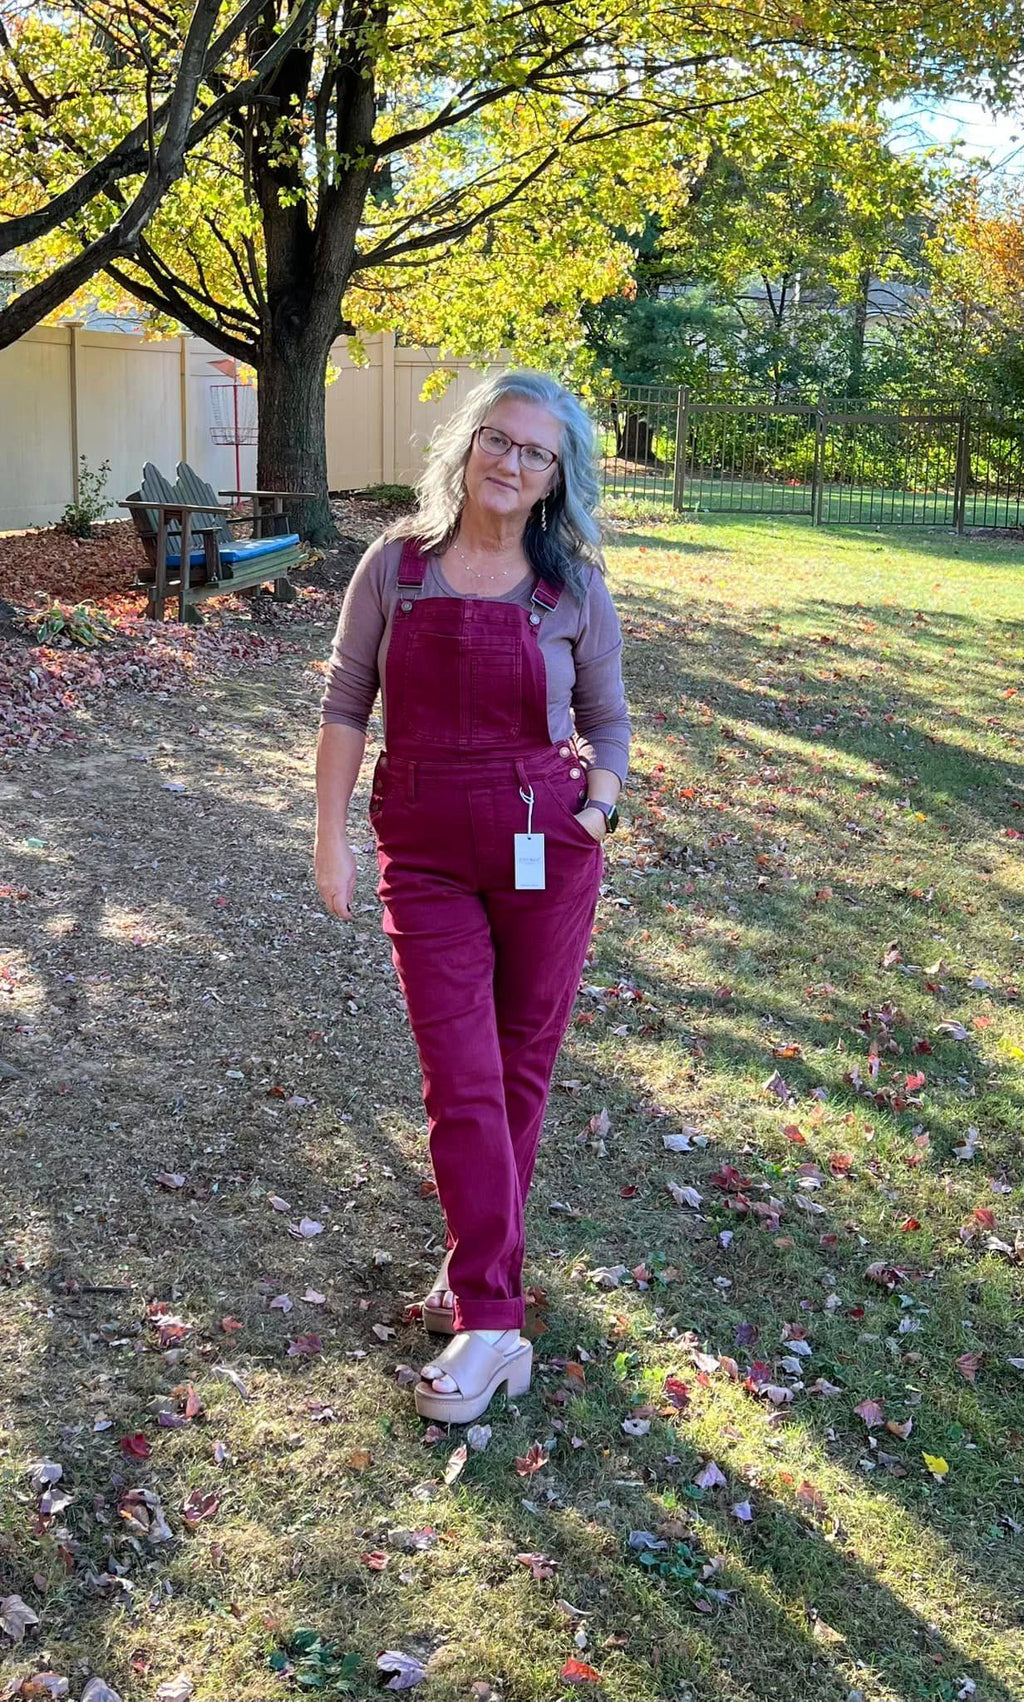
998	137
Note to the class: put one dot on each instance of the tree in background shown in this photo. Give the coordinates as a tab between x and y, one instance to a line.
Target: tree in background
460	172
758	284
68	81
964	333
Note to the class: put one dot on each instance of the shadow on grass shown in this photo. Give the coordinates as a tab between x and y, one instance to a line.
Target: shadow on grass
270	991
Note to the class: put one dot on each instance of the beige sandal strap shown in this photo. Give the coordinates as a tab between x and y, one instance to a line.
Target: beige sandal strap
470	1363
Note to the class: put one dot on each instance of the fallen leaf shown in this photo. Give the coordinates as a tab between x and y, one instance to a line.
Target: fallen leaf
136	1447
407	1670
277	1203
710	1476
968	1365
677	1391
636	1426
305	1229
729	1180
540	1566
44	1473
792	1133
456	1464
936	1465
308	1344
175	1689
578	1672
143	1514
201	1504
809	1496
16	1618
478	1436
684	1196
169	1179
742	1511
532	1461
777	1085
871	1412
97	1690
901	1430
233	1378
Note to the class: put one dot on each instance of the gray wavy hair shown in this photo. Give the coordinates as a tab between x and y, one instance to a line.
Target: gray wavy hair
572	540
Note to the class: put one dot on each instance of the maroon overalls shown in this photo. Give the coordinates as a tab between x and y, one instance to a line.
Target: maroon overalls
489	973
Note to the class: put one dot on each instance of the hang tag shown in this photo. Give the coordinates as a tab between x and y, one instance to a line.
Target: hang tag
529	862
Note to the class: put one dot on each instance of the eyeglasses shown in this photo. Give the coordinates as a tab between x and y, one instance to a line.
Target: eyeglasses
531	455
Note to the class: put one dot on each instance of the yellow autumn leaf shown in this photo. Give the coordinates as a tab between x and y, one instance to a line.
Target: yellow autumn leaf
936	1464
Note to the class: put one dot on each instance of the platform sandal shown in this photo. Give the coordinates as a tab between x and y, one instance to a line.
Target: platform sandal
478	1369
439	1320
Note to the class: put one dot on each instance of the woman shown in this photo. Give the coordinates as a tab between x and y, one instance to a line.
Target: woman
486	620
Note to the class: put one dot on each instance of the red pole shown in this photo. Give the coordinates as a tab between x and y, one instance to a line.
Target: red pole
238	458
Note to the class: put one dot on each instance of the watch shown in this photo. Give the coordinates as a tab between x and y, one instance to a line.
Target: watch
609	811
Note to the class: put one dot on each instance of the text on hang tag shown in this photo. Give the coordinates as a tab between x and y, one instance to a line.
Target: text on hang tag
529	849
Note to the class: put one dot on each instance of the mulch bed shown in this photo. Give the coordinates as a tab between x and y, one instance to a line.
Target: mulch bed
48	692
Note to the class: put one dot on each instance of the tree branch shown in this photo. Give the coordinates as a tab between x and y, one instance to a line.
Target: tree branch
176	307
129	157
167	164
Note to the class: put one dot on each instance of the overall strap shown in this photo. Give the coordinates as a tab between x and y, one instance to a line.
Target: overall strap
543	600
412	567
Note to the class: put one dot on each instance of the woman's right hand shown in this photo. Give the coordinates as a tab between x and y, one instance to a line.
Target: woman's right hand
334	866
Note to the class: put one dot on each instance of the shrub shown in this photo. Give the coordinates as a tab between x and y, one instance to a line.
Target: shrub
90	504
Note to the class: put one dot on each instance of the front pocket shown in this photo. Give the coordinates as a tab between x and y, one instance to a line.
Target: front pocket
495	708
569	801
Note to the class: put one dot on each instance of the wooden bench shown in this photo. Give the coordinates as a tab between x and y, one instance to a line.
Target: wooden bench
191	553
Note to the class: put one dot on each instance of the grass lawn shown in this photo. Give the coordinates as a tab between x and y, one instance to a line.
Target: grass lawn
775	1440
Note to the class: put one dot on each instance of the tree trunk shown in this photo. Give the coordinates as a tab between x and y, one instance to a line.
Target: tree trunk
292	451
858	333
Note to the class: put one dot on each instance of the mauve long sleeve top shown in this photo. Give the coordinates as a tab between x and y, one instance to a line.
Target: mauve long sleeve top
581	643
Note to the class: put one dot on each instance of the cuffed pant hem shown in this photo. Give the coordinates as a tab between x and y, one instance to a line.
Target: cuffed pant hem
489	1314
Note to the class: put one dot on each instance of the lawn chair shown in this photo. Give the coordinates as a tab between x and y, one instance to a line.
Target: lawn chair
161	516
267	518
164	513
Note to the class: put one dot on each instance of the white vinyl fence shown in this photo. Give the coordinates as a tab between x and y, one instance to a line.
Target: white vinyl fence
66	392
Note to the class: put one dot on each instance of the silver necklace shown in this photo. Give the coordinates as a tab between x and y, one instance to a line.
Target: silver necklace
475	571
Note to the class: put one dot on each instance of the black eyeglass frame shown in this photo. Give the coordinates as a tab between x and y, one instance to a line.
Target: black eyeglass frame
513	444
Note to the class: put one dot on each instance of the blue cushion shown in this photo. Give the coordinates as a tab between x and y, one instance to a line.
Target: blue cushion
238	554
256	547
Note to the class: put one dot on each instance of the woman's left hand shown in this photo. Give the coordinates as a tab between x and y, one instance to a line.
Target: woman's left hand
594	822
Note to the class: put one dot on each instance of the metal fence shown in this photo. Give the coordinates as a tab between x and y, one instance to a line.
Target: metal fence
918	463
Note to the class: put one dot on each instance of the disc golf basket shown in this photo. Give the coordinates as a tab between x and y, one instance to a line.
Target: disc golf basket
235	410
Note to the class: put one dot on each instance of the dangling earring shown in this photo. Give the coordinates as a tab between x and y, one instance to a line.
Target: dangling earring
543	513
